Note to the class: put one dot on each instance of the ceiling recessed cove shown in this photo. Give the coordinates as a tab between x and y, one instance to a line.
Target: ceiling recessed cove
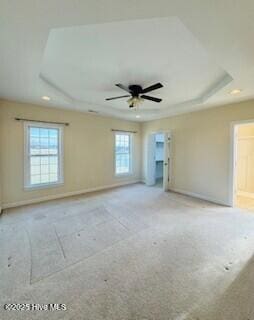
86	62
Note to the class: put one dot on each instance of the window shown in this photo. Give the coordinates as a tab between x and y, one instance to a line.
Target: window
43	155
123	156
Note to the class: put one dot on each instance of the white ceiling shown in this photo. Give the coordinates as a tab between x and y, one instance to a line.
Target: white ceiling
75	51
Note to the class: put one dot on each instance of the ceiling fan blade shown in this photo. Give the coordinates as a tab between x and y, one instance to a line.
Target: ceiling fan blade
113	98
121	86
153	87
151	98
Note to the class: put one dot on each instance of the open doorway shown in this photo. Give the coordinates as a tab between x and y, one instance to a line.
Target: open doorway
159	160
244	166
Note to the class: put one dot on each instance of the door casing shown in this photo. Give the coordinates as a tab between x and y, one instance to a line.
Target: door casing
167	164
232	186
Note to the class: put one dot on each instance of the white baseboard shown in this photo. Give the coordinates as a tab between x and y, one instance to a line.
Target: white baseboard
64	195
199	196
195	195
245	194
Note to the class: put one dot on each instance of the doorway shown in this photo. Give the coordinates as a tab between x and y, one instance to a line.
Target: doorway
243	180
159	160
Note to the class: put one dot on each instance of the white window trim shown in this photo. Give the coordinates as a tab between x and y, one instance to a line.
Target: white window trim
27	184
131	154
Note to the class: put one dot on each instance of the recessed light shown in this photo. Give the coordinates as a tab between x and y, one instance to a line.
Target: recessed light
235	91
137	116
46	98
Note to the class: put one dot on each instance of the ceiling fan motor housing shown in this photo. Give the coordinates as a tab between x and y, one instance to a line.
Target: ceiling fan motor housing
135	90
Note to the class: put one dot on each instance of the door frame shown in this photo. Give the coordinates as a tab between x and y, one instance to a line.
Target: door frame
150	180
167	178
233	159
167	154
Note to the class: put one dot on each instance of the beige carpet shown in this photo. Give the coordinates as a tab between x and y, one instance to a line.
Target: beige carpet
130	253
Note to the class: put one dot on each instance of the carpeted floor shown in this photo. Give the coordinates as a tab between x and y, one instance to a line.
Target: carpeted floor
131	253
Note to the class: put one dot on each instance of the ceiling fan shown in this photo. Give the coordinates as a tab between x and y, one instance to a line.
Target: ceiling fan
136	93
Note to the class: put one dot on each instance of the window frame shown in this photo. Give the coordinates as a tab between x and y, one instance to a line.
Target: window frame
27	167
131	154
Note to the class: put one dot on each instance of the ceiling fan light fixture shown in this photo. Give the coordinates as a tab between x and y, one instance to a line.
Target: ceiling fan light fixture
136	94
134	101
129	101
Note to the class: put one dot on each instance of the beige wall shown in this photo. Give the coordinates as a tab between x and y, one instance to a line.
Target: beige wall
245	159
0	193
1	177
201	149
88	151
245	130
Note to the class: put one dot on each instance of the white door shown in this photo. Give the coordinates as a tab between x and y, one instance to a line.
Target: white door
167	161
150	181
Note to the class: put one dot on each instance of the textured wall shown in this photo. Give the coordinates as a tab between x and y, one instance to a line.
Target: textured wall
88	151
201	148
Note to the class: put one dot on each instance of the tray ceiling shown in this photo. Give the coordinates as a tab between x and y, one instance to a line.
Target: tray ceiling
75	51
